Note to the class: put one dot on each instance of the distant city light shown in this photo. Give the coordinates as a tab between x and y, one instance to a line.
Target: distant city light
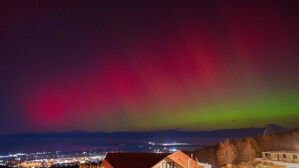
173	150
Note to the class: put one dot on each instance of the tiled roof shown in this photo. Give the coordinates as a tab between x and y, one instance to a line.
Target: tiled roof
133	160
295	152
182	159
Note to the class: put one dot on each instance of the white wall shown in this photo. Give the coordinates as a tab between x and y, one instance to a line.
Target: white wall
160	164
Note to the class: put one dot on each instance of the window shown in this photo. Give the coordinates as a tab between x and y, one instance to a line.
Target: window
267	155
284	156
295	157
168	165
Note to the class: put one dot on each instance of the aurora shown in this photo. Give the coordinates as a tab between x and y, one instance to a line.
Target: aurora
106	66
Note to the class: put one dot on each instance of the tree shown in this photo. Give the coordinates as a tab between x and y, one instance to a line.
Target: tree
248	152
295	137
226	153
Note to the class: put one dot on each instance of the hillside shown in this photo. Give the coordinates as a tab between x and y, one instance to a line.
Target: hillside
287	140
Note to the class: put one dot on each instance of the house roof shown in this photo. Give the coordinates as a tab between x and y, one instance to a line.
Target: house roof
292	152
182	159
131	160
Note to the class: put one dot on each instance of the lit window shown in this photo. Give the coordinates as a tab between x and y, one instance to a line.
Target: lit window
168	165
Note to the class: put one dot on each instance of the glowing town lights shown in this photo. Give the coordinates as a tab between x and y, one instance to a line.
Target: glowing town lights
173	150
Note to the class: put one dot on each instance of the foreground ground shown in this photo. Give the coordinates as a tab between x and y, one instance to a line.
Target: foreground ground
258	163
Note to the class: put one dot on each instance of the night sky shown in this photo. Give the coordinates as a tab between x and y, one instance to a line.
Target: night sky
148	65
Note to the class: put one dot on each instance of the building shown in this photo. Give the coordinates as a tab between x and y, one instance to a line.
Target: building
90	165
131	160
149	160
286	156
177	160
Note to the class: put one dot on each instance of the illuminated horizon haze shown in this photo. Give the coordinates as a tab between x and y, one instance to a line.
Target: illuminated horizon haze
148	65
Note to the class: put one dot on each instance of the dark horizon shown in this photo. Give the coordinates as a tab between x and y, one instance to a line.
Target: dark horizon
73	142
107	141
